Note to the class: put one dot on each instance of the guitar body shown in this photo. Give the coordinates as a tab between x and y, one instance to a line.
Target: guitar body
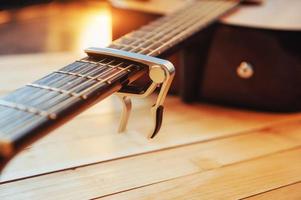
250	59
275	61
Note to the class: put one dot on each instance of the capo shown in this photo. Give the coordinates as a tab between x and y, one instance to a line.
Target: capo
161	73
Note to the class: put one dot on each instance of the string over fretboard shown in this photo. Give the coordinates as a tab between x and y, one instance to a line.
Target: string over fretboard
48	102
159	36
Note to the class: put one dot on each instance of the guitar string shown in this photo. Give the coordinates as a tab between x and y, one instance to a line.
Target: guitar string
92	86
48	83
81	71
155	28
62	78
160	46
171	30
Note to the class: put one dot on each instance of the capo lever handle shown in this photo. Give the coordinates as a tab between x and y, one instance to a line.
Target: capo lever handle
158	114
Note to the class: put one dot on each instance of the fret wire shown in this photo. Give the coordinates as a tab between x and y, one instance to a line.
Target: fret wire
102	82
169	18
38	102
177	18
87	76
64	79
41	92
60	93
18	94
82	94
168	35
22	107
108	78
179	21
85	92
142	49
49	78
135	48
55	100
50	94
221	3
145	34
174	31
53	89
46	99
82	66
34	95
73	65
28	119
184	33
28	115
97	77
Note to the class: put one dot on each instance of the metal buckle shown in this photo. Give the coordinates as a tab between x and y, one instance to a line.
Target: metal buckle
161	73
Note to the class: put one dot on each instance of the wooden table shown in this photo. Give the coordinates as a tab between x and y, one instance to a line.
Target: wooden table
202	152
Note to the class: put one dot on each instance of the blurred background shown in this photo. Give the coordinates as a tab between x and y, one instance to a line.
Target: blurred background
34	26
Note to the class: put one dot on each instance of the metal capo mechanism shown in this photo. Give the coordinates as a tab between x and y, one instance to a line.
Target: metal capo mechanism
161	73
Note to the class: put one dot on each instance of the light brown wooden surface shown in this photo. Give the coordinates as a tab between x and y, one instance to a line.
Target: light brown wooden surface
203	151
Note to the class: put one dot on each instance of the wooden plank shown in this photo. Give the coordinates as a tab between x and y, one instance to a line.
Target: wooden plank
94	139
92	136
232	182
218	156
290	192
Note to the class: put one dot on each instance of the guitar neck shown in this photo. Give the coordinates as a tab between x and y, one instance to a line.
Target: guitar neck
161	35
37	108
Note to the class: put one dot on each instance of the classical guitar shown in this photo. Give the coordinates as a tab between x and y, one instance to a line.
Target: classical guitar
32	111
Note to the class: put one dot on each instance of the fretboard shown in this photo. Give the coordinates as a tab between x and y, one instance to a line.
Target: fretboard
45	104
161	35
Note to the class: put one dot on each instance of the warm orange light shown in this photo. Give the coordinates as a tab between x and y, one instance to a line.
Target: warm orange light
96	29
4	17
79	26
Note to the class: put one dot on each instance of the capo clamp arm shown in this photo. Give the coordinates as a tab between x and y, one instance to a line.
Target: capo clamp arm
161	73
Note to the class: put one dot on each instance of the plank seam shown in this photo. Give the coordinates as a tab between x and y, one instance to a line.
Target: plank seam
223	166
236	134
283	186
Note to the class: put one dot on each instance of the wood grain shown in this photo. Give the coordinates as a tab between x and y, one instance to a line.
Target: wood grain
290	192
67	147
232	182
120	175
203	152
